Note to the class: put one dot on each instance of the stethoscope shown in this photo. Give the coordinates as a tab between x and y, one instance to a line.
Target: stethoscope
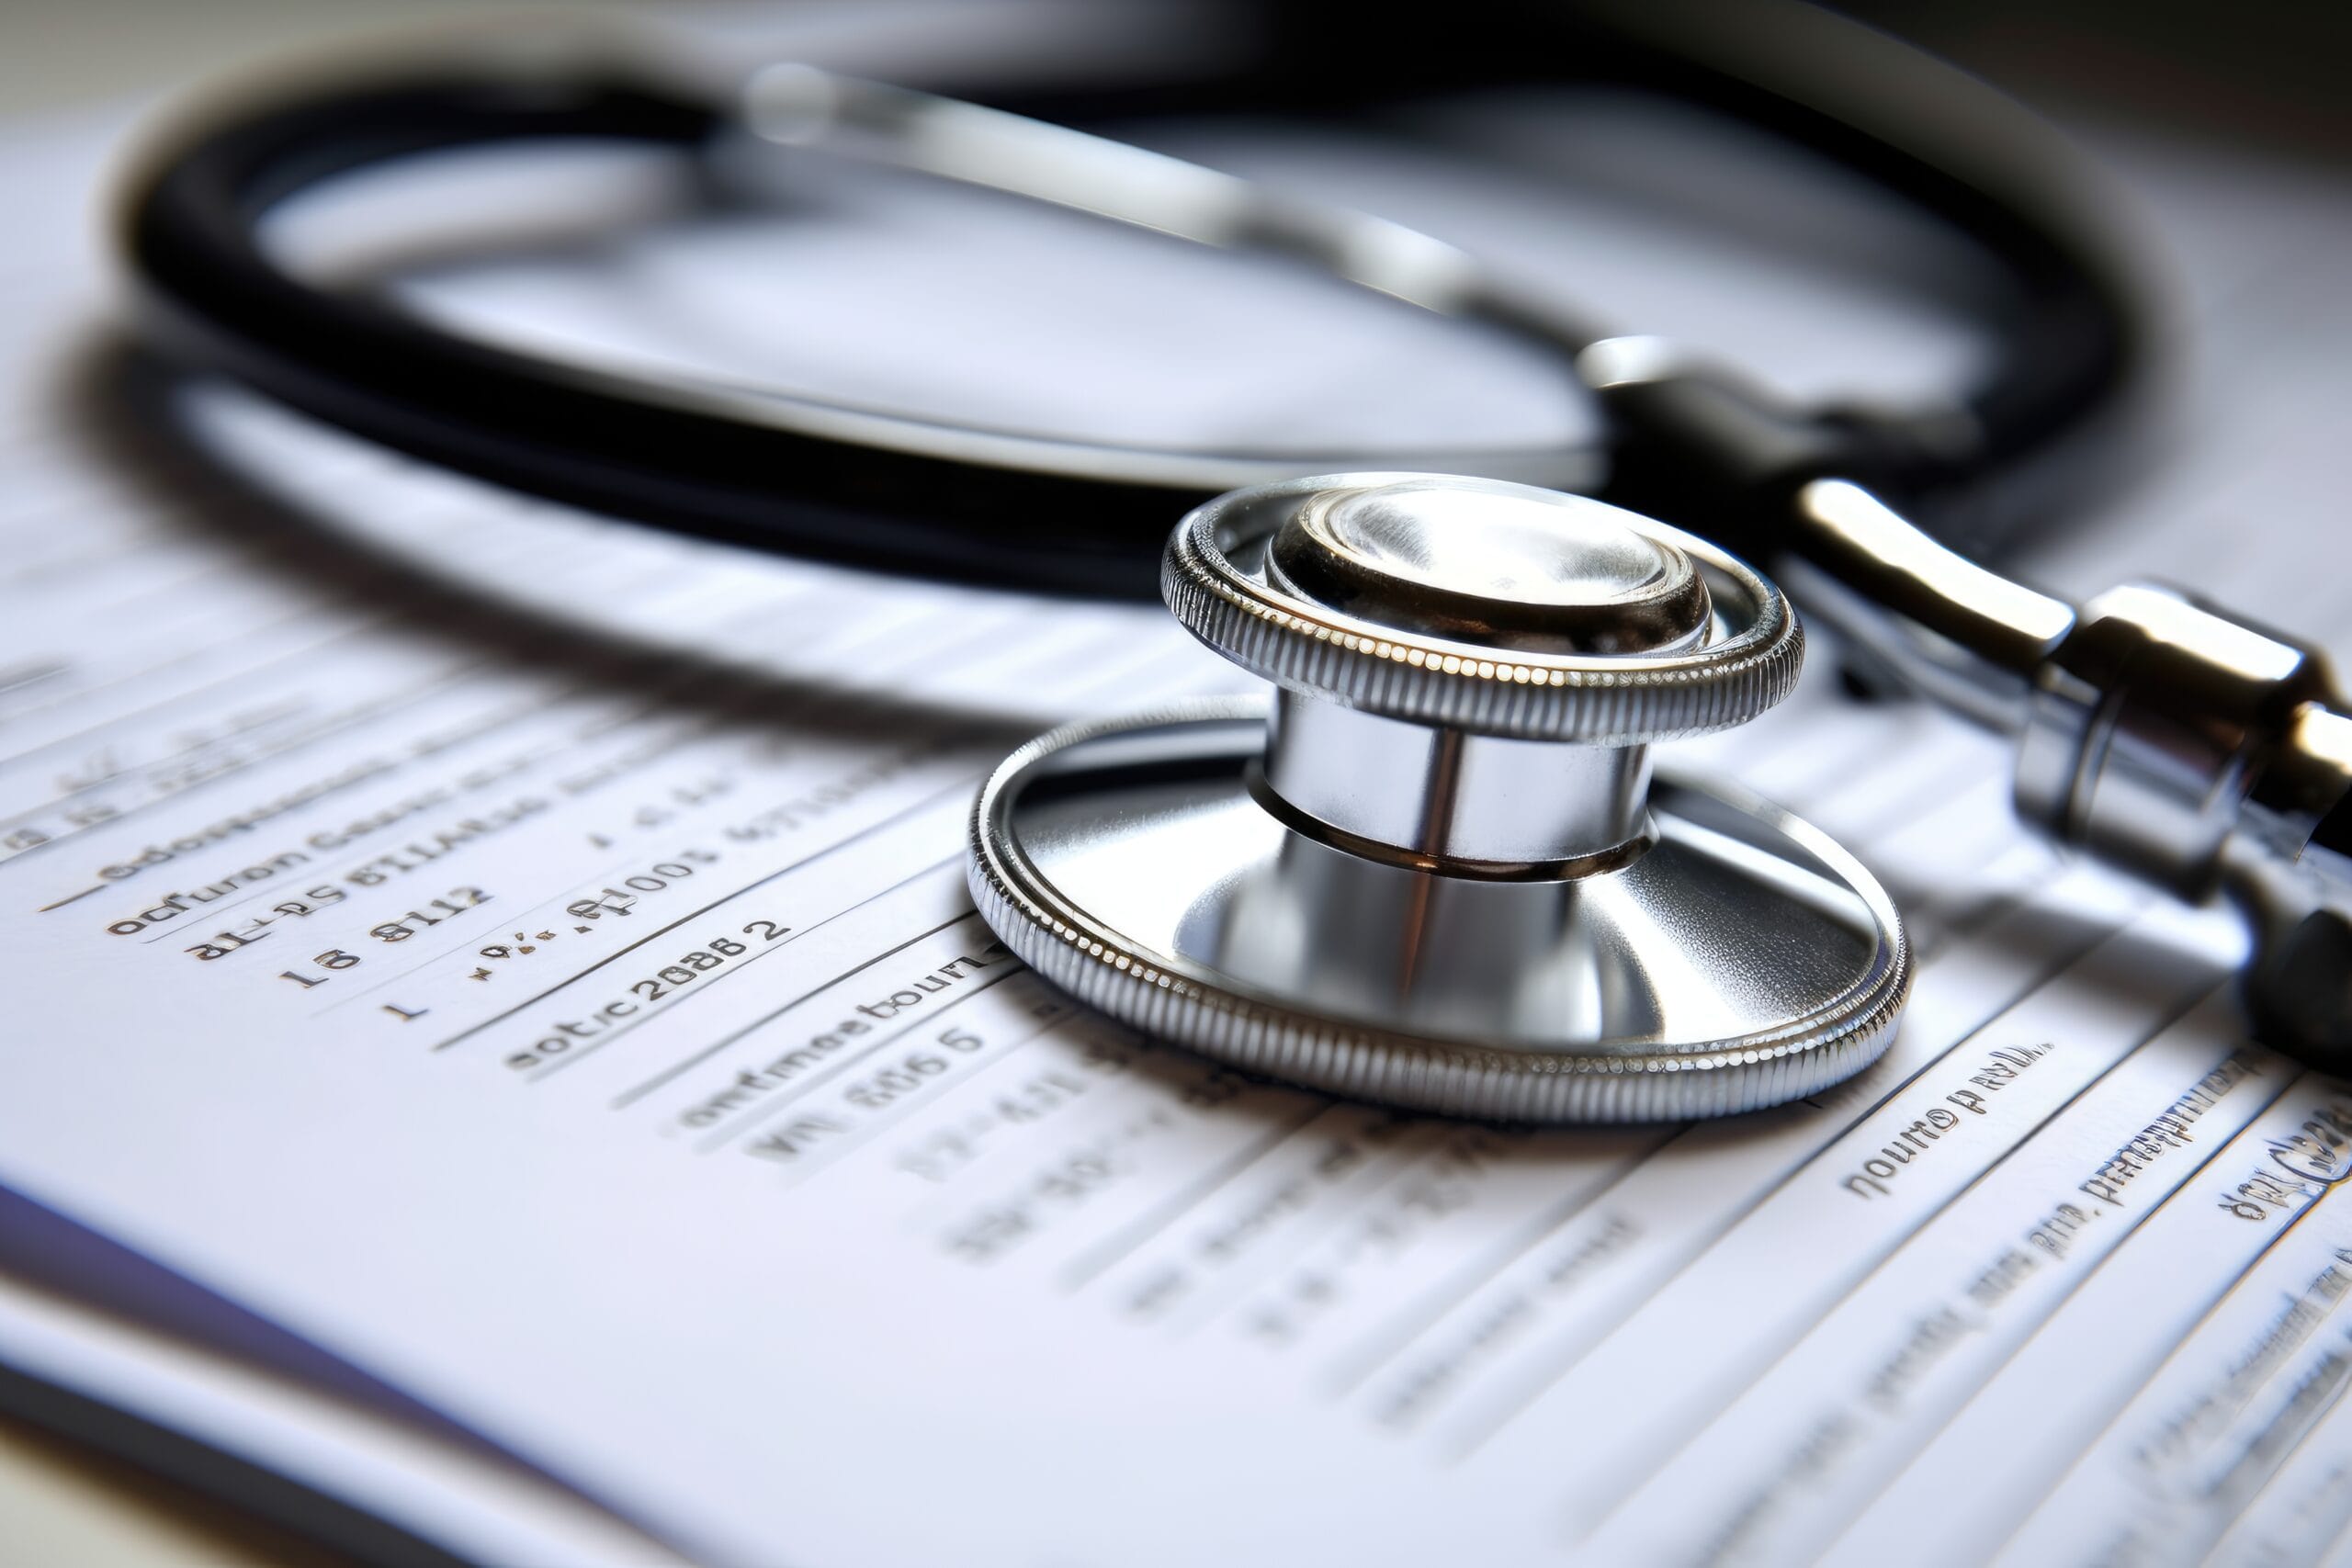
1436	868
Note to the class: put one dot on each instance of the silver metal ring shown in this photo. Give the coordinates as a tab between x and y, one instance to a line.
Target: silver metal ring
1167	995
1223	596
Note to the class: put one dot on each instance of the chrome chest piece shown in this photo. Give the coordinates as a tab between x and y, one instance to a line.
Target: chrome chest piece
1436	871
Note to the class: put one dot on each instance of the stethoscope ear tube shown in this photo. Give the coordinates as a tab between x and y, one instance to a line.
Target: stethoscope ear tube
698	460
801	477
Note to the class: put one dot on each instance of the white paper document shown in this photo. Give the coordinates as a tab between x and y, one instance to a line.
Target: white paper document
526	960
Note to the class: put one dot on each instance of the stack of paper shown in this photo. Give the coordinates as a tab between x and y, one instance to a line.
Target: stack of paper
496	1021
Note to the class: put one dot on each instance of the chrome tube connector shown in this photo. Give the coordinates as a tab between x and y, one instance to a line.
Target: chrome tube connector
2204	754
2161	736
2152	730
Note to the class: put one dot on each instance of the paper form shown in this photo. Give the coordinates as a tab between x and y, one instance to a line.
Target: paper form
552	992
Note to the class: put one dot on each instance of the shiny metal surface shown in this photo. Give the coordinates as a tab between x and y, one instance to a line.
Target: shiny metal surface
2147	724
2160	736
1374	653
1500	568
2290	868
1742	961
1399	880
1447	795
1970	638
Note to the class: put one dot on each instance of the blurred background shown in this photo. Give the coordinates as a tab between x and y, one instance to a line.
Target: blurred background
2270	72
2185	101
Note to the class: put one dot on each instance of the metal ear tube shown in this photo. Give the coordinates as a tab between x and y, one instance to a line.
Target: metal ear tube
2154	733
2189	748
2195	752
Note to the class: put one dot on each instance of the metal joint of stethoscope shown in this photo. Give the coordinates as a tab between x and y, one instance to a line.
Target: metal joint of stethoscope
2153	732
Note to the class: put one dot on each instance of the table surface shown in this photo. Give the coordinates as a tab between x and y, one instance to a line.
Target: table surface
64	1502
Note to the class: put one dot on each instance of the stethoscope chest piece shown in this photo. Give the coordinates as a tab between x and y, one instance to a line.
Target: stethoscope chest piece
1436	870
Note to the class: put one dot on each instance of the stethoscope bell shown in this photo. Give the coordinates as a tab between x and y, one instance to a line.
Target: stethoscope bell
1436	871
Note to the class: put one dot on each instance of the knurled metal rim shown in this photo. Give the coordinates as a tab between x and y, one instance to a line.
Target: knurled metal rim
1602	699
1186	1005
